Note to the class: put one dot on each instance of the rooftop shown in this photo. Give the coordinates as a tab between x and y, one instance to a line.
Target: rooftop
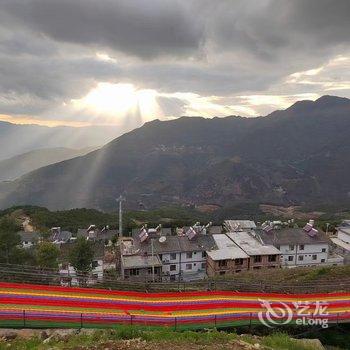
341	243
29	236
226	249
140	261
173	244
234	225
251	245
292	236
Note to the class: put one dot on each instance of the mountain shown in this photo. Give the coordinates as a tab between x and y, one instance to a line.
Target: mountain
295	156
17	139
17	166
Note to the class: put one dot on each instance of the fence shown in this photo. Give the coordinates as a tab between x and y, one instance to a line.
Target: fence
28	274
35	306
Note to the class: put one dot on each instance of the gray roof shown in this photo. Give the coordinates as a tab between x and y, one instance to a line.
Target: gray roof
214	230
234	225
226	249
97	234
62	236
251	245
140	261
29	236
175	244
344	229
291	236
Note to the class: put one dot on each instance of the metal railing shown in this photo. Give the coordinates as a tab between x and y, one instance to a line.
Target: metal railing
34	275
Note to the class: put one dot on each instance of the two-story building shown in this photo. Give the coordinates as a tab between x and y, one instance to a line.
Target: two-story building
226	258
298	247
261	255
183	257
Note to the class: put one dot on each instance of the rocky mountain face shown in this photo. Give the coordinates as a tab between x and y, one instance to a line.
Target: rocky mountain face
296	156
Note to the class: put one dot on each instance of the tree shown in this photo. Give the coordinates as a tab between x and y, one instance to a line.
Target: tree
47	255
81	256
9	238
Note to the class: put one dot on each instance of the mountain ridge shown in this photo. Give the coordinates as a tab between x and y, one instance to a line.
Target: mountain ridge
295	156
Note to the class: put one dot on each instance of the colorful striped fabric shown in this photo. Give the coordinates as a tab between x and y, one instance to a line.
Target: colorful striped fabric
48	306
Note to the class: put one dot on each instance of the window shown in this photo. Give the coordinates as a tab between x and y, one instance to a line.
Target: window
238	271
272	258
134	272
257	258
173	256
188	266
238	261
222	272
324	250
314	257
189	255
94	264
301	247
290	258
222	263
323	260
172	267
301	257
172	278
291	247
204	254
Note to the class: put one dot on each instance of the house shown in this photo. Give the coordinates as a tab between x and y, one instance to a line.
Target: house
226	258
239	225
141	268
67	271
29	239
342	239
183	257
93	233
299	246
59	236
261	255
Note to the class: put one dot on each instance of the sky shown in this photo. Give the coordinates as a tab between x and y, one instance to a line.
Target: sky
126	62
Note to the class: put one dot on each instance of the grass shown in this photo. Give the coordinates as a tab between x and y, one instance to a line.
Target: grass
158	338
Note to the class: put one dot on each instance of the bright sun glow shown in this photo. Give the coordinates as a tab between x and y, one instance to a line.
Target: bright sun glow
120	100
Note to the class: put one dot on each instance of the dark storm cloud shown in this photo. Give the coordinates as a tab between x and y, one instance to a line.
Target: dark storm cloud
48	47
143	28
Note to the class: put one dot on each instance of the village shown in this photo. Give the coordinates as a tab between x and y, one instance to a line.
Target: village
197	252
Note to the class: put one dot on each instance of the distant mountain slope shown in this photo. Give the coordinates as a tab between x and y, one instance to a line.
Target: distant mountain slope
17	166
299	155
18	139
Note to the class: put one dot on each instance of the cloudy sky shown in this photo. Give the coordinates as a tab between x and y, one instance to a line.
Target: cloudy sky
124	62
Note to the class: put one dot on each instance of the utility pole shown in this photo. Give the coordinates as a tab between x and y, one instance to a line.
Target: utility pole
120	199
152	252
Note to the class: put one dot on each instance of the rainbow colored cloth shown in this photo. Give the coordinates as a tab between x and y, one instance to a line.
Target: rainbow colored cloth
25	305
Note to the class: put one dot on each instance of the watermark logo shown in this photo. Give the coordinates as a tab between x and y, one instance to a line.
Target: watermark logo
304	313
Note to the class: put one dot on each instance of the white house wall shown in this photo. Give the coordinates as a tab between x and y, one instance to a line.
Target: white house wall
320	250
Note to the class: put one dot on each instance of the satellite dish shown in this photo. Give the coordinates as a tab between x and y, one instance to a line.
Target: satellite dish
162	239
